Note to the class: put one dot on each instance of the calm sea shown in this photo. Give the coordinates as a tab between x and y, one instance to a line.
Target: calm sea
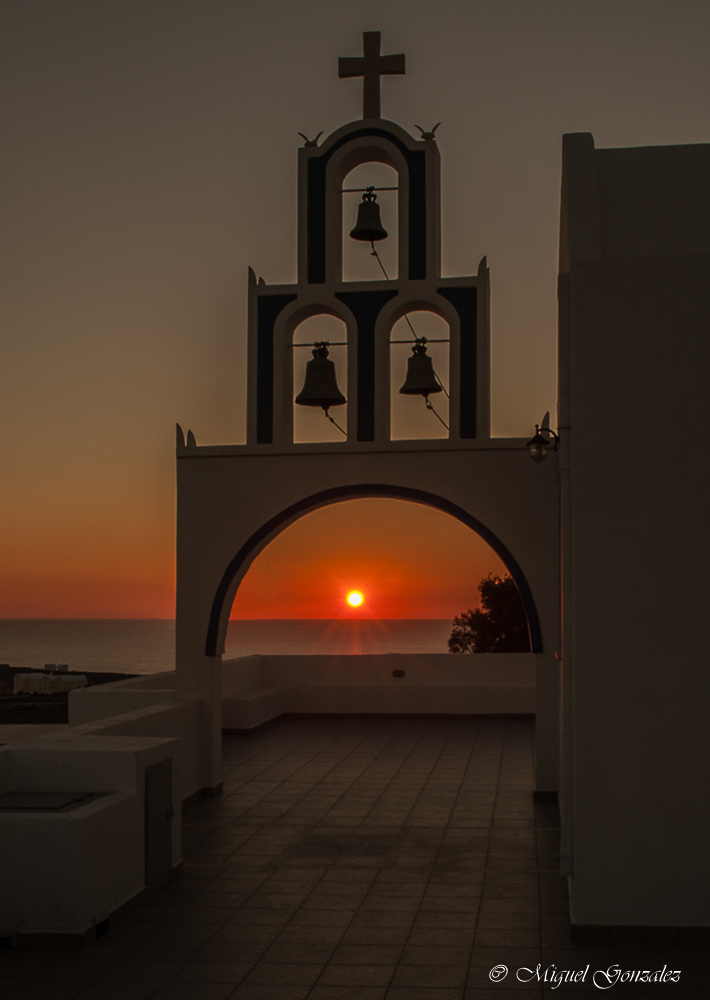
140	646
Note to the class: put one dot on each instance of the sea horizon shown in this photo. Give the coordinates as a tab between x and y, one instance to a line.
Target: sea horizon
147	645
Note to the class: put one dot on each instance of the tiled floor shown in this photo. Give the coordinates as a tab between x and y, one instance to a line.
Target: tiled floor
356	859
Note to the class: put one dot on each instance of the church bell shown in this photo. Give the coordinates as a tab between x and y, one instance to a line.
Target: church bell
420	380
369	228
320	387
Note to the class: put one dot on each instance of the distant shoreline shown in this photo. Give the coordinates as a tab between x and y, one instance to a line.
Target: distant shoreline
39	709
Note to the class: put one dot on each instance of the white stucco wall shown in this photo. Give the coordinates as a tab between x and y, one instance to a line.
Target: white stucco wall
65	872
635	354
258	688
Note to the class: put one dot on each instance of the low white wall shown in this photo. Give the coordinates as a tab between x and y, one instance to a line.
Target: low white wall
420	669
180	720
64	872
258	688
100	701
241	674
49	882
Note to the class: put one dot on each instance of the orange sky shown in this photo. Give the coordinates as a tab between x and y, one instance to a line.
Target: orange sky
409	561
149	158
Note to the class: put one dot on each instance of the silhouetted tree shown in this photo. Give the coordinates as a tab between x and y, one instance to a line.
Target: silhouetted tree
498	626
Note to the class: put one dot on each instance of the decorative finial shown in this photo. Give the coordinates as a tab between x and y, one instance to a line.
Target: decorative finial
310	142
428	136
371	66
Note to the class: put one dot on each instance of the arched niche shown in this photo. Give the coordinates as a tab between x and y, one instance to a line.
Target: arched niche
358	262
410	419
257	542
372	152
309	422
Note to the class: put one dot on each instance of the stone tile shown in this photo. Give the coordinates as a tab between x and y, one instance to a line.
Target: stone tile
214	972
348	876
309	934
436	955
390	936
451	904
231	951
356	975
514	956
473	993
294	874
407	904
165	951
201	914
430	976
424	993
299	951
184	932
383	918
347	993
263	933
144	970
74	967
467	887
365	954
283	973
322	900
502	937
460	919
45	990
322	918
448	937
104	990
509	919
389	876
255	916
194	991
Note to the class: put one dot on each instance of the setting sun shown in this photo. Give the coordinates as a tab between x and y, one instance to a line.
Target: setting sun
355	598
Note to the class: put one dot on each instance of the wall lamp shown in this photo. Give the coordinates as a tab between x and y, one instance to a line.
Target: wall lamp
539	445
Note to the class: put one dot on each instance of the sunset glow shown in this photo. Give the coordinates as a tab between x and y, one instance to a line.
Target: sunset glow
309	569
355	598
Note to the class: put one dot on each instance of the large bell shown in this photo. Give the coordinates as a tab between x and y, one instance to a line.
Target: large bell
320	387
368	227
420	380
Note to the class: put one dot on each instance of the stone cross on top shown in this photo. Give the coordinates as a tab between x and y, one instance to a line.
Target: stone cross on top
371	65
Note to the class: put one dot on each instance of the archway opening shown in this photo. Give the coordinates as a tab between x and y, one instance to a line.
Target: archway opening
410	419
358	262
309	422
415	567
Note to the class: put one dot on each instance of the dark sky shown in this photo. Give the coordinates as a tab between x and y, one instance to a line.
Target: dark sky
149	157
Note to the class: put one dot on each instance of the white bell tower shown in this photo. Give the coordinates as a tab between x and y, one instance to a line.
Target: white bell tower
234	499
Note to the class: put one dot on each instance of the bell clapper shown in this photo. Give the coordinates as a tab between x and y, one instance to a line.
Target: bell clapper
328	416
379	260
429	406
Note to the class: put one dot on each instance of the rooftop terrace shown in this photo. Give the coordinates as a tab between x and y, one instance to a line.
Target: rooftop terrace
357	859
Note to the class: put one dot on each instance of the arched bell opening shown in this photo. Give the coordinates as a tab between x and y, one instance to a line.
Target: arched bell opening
410	567
311	420
419	377
360	213
239	565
